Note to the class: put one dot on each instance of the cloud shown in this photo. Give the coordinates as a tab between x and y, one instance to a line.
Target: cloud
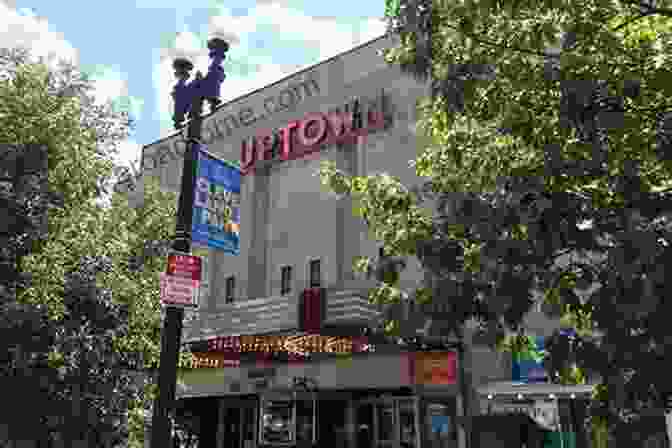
24	28
373	27
272	2
331	36
328	33
231	27
129	154
110	83
251	66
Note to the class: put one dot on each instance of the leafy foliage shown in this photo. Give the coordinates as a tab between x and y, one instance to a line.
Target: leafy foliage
79	294
548	162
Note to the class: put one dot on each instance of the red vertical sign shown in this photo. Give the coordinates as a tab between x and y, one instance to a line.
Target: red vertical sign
311	310
181	282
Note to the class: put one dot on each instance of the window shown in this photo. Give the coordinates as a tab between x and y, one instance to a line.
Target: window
315	274
286	280
230	289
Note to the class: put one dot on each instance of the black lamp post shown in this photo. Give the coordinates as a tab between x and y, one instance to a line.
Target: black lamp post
189	98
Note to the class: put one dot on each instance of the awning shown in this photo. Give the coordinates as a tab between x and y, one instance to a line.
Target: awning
512	389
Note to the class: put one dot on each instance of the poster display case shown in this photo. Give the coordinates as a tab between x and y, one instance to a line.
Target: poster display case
388	422
440	427
288	420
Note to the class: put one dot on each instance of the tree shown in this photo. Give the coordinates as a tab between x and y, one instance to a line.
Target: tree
80	311
547	142
38	116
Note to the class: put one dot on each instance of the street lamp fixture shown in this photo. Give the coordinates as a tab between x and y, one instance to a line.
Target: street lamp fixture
188	96
188	99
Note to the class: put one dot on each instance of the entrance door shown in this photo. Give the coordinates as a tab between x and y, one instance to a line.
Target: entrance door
248	430
239	425
408	423
365	425
232	423
388	423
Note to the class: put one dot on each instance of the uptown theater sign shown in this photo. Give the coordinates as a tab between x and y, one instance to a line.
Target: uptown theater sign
300	138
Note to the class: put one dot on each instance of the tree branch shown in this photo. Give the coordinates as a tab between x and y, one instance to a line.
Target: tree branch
632	20
500	45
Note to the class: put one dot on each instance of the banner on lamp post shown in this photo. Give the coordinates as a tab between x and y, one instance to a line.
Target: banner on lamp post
216	208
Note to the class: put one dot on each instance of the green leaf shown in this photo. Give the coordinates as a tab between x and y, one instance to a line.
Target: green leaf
527	134
95	336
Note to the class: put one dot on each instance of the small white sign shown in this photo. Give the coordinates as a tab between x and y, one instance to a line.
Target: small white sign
545	413
179	291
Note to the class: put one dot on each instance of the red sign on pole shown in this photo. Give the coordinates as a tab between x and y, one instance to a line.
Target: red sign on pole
179	291
184	265
181	282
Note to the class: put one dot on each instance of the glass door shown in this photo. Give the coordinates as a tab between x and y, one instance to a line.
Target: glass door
388	423
385	424
248	425
408	423
305	421
238	424
277	422
365	418
231	419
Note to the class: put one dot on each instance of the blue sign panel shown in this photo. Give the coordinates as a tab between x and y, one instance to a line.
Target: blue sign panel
217	192
441	424
527	369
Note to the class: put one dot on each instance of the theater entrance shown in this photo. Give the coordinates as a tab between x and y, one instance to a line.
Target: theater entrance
238	423
388	422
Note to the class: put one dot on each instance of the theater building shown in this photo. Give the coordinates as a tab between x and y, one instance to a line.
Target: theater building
291	291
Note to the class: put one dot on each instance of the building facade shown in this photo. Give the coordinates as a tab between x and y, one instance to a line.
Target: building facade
266	376
286	218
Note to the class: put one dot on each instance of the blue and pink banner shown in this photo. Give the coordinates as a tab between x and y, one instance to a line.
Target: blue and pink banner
217	190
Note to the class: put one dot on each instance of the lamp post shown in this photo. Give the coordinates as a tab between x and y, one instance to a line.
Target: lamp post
188	98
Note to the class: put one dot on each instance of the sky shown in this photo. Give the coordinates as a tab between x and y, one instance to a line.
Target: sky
128	46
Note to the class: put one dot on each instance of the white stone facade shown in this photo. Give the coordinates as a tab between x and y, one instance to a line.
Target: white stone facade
287	218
